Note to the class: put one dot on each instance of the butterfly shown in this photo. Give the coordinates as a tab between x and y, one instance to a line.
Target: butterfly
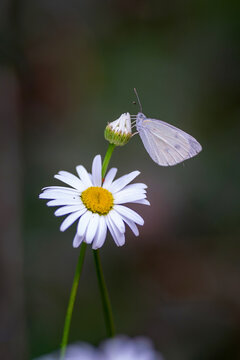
166	144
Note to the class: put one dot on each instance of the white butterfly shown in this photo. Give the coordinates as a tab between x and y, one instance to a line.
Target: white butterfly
166	144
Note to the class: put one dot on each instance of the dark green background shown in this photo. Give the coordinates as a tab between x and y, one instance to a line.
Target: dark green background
69	67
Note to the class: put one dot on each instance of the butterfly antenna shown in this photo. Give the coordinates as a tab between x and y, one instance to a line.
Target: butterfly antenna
140	105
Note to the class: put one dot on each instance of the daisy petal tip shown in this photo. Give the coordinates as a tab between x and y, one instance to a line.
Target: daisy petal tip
77	241
88	241
97	170
58	176
75	246
56	212
98	158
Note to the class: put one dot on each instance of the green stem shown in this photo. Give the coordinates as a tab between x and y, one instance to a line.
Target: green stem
106	304
107	310
107	159
72	300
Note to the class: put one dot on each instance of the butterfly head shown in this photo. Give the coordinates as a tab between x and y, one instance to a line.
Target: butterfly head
140	117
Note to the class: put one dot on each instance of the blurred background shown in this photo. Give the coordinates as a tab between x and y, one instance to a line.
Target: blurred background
66	69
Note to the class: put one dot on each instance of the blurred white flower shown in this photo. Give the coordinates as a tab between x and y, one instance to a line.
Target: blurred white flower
118	348
96	204
125	348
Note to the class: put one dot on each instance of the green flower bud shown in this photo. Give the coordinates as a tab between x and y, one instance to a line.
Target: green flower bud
119	132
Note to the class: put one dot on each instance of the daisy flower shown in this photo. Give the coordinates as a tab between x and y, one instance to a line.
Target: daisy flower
97	204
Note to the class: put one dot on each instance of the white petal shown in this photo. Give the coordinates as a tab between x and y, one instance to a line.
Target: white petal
70	179
61	202
90	176
143	202
97	171
126	196
110	228
84	176
77	240
54	194
61	188
101	233
118	237
122	181
83	223
117	220
129	213
92	228
70	219
68	209
135	186
109	177
132	225
131	191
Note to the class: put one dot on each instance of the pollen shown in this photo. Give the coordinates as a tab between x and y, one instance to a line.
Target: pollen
97	200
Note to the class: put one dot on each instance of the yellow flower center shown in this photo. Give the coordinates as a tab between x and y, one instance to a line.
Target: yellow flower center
97	200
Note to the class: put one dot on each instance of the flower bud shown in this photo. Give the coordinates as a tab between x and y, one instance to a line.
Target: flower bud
119	132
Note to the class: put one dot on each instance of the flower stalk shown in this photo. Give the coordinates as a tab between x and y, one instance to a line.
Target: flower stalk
106	304
71	302
107	158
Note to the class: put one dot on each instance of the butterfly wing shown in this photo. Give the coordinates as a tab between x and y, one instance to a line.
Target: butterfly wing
166	144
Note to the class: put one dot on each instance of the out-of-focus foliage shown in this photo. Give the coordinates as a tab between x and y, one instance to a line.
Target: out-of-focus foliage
66	69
